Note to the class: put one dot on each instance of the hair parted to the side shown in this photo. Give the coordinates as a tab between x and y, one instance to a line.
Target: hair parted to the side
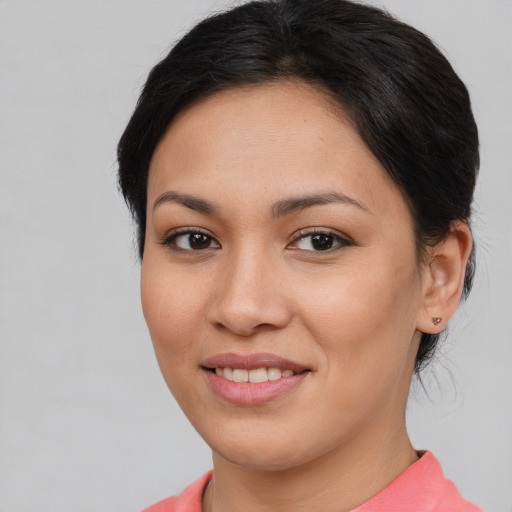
403	96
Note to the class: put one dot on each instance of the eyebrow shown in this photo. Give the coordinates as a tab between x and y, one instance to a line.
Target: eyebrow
279	209
191	202
288	206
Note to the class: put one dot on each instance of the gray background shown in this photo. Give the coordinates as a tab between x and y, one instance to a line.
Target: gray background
86	422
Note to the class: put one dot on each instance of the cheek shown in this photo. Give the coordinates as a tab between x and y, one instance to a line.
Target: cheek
171	313
365	317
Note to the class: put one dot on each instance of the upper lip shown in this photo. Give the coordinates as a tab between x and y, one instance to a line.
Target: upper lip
252	362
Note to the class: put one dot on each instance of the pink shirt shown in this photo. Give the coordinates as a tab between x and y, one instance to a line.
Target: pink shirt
420	488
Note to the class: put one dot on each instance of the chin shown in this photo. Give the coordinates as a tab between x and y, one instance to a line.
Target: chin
260	460
265	453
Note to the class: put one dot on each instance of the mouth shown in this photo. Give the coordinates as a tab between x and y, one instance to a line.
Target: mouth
250	380
256	376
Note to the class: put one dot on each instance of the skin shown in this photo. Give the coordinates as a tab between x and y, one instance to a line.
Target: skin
351	314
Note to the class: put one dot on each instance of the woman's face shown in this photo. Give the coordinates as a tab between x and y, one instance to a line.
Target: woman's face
275	239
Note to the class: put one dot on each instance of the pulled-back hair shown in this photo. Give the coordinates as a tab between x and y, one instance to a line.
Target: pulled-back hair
401	93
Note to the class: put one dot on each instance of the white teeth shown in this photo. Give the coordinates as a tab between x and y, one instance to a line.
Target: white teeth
257	375
240	375
274	374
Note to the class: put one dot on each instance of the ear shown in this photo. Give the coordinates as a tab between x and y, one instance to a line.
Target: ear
444	275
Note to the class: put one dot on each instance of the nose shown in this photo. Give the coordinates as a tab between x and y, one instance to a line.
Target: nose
250	296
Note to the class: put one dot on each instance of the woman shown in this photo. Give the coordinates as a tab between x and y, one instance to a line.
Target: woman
301	173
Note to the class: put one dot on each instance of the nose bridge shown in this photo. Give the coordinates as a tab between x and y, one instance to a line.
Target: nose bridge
249	297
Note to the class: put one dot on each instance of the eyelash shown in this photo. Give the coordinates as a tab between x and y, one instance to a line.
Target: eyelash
338	241
170	240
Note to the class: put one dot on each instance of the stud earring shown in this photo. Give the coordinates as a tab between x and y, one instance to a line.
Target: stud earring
436	320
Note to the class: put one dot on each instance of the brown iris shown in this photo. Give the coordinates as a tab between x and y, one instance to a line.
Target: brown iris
199	241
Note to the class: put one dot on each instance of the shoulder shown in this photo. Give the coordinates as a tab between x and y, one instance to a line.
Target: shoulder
166	505
188	501
421	487
445	495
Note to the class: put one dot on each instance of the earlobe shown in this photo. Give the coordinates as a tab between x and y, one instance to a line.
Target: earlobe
444	278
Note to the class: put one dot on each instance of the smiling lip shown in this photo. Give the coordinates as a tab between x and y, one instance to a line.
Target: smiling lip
252	362
251	393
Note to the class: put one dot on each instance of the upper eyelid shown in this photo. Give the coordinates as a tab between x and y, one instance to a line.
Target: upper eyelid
174	233
187	229
318	231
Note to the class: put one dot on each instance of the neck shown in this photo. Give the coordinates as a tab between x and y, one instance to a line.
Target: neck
337	481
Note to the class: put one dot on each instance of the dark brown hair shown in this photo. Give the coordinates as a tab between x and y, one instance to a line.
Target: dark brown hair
403	96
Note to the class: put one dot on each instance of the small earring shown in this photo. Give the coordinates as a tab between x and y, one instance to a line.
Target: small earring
436	320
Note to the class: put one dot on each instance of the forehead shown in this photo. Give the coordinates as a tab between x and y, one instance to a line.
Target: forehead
265	141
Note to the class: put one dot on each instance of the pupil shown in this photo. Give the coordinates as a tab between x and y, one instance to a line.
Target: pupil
199	241
322	242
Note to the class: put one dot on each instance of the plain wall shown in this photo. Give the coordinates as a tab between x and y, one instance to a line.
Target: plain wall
86	422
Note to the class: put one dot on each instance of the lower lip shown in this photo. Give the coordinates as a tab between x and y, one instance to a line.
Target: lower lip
248	394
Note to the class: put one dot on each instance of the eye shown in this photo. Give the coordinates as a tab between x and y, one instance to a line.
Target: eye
319	241
190	241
